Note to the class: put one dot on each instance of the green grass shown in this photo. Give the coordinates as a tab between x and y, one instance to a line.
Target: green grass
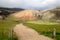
43	22
6	27
44	29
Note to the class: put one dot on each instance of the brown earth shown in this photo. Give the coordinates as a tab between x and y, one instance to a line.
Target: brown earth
25	15
25	33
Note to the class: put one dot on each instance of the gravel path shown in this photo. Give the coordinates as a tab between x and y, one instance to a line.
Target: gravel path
25	33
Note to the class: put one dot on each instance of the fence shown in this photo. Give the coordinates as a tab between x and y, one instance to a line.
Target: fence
7	34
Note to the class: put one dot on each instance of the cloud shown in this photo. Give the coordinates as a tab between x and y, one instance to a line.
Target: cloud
30	4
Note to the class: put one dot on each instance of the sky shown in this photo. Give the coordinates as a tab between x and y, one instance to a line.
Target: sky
30	4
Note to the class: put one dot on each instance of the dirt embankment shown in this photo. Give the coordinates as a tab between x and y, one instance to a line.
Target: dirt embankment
26	15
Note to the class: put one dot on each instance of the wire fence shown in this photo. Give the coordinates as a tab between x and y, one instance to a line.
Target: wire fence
8	34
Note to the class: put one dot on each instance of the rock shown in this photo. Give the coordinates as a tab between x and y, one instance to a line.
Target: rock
1	17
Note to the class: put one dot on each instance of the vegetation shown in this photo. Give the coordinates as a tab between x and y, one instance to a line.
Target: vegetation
6	28
44	29
11	9
4	12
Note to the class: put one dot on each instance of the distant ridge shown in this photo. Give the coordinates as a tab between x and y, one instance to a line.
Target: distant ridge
52	14
11	9
4	12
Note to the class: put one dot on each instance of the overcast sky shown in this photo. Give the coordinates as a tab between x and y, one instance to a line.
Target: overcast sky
30	4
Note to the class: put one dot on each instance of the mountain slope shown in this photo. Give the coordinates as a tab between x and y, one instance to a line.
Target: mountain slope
26	15
51	14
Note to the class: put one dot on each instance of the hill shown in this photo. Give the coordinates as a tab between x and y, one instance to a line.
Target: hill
4	12
50	14
26	15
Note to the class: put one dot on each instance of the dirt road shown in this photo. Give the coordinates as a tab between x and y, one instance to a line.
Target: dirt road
25	33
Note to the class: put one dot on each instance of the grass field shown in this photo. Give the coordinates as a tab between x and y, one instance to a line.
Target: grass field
44	28
6	28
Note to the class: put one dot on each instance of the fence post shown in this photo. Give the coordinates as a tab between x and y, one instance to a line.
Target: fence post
54	33
11	34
